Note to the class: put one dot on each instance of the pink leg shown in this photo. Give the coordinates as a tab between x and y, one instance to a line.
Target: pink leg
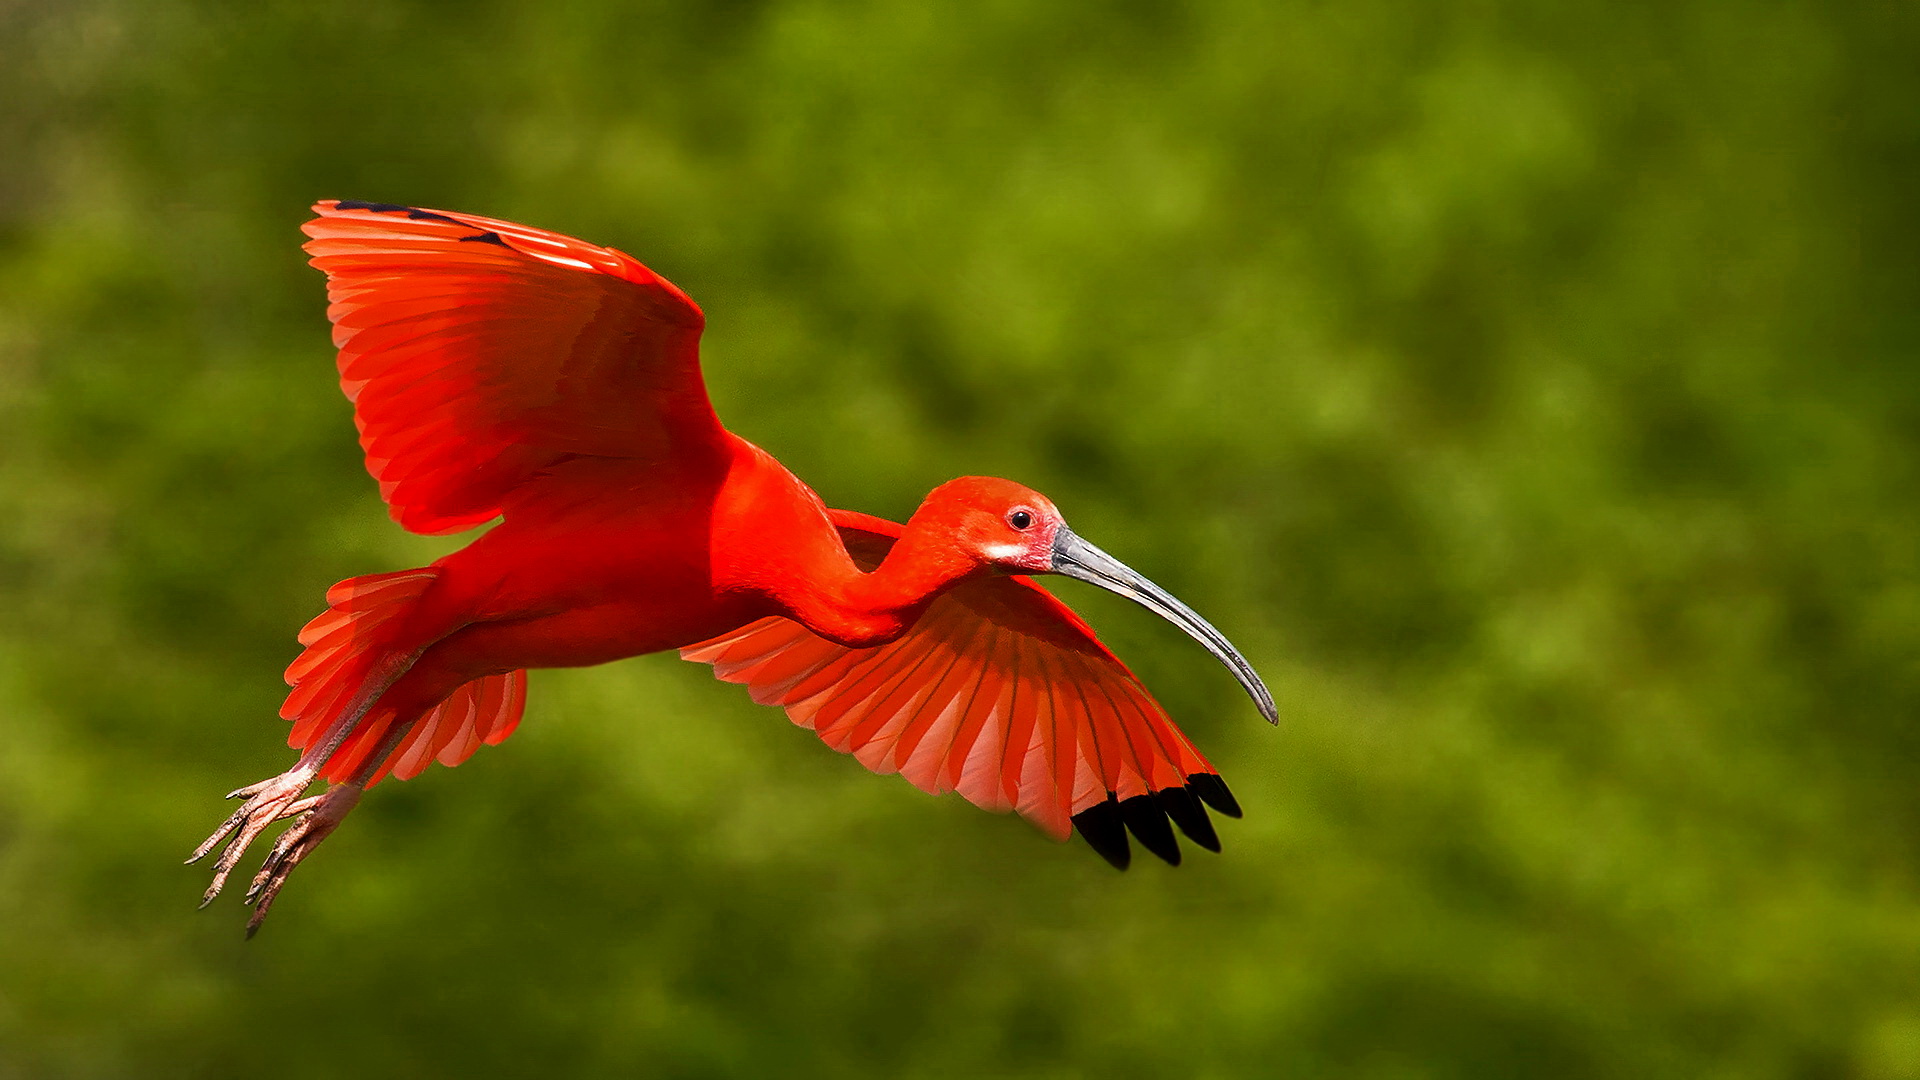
279	797
267	802
416	687
318	817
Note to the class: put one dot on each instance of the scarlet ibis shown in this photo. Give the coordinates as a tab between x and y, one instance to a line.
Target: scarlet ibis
500	371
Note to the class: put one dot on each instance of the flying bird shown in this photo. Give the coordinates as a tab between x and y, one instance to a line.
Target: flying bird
503	372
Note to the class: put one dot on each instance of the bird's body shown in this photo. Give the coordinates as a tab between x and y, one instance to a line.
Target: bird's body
604	580
627	562
504	372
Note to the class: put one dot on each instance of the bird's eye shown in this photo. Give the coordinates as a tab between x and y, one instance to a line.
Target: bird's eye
1020	519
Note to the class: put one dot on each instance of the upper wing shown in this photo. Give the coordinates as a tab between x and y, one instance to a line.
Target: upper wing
999	692
478	353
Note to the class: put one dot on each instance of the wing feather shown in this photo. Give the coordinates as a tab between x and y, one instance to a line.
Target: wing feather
961	676
484	711
512	707
999	692
479	353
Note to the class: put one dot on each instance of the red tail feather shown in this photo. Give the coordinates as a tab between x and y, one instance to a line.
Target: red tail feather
345	643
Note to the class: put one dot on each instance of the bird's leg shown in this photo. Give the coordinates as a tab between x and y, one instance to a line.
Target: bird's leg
278	797
267	802
319	815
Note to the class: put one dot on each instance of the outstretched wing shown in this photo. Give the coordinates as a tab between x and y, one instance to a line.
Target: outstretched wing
999	692
479	353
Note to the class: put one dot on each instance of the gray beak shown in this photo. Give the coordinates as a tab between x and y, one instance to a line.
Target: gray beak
1076	558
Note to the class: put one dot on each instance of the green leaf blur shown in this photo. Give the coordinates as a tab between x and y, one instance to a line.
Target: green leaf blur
1532	390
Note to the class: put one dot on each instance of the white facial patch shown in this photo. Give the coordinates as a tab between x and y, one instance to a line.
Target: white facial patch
1005	552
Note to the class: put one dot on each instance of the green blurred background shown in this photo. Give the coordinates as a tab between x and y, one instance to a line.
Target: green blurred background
1531	389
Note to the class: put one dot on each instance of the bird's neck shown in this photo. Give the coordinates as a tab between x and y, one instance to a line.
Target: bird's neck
808	573
868	609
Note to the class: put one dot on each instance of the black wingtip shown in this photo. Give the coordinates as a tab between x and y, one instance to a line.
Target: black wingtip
1151	820
413	212
1103	830
1213	791
1187	812
375	207
1148	823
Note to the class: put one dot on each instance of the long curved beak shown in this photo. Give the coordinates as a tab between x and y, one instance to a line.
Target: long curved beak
1076	558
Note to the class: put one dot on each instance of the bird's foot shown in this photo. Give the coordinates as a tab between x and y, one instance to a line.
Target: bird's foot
267	802
319	816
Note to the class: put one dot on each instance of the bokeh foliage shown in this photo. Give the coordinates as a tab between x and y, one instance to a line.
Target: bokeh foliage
1532	389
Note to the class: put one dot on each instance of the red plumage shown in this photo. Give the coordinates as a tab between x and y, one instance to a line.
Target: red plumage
936	705
498	371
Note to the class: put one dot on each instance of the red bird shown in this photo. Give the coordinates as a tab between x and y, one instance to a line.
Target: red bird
498	371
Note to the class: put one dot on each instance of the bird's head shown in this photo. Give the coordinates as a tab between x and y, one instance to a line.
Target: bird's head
1008	528
998	525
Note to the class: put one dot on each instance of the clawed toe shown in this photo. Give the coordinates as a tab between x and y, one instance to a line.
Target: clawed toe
315	817
319	816
267	802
